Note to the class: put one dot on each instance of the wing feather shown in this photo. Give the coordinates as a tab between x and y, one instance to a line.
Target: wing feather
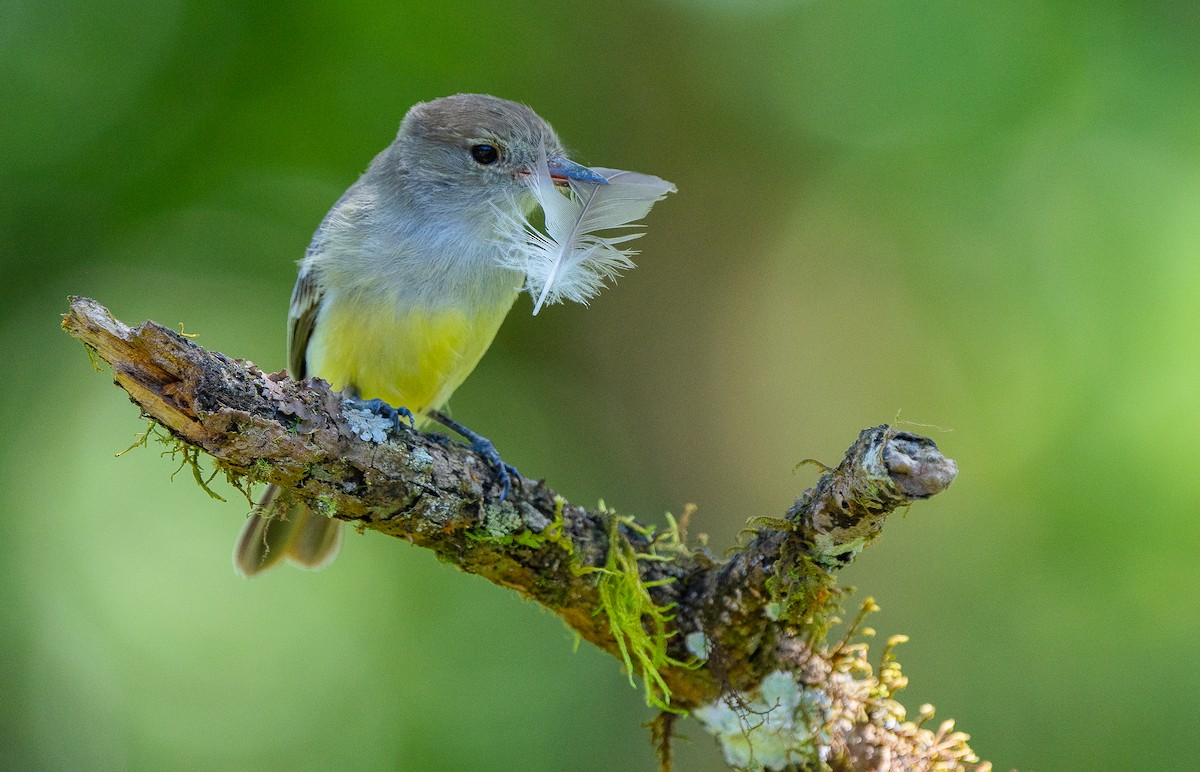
307	294
302	317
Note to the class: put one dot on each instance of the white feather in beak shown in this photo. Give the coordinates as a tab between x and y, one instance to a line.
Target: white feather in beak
572	258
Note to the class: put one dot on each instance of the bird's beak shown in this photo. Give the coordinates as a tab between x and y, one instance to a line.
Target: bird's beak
562	170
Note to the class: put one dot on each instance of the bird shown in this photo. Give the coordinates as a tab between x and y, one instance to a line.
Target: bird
404	286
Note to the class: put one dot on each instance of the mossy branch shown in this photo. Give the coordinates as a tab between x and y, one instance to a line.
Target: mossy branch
739	643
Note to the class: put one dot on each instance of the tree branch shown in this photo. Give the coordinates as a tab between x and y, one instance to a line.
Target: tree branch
739	643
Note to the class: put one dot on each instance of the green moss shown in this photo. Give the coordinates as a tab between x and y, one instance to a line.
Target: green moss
891	677
754	526
502	532
637	623
773	523
804	593
240	482
323	505
259	469
188	456
663	547
555	533
142	439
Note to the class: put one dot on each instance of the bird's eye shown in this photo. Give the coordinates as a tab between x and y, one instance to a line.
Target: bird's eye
485	154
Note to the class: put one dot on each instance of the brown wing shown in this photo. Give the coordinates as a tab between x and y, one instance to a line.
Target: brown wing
302	317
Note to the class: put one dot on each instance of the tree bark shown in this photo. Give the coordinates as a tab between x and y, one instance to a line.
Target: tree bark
739	643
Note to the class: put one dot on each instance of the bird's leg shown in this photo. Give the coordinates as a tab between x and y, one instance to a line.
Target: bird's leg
505	473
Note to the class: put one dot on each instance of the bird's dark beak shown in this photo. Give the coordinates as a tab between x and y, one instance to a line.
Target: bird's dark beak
562	170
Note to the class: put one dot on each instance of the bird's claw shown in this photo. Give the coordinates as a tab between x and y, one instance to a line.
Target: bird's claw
384	410
505	473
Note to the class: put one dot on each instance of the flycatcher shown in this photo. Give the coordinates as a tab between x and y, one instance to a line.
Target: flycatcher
403	288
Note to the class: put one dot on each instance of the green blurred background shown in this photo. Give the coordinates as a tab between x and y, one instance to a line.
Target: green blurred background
981	216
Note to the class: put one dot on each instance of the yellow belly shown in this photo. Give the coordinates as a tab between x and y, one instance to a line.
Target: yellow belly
407	358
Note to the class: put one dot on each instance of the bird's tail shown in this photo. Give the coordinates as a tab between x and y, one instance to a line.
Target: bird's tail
278	530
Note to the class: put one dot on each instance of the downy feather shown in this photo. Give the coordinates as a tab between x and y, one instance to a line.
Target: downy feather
573	257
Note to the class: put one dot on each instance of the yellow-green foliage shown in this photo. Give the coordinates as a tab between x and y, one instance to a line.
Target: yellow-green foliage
638	625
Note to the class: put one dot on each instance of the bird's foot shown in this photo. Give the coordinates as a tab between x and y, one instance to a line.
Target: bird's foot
393	414
371	418
506	473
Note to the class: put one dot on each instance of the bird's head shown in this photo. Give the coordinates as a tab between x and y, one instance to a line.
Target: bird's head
477	150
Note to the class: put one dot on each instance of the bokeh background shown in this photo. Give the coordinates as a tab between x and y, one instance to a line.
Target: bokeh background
982	218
